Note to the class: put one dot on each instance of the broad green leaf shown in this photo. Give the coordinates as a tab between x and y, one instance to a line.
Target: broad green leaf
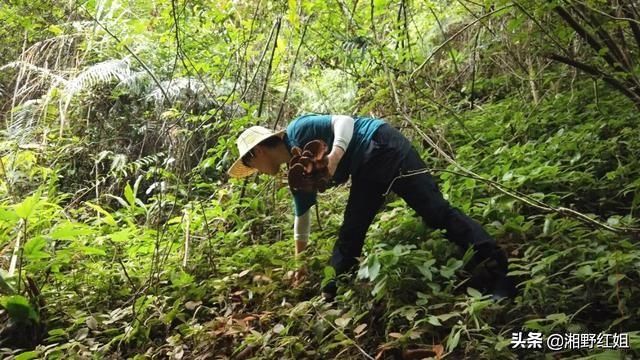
18	308
107	217
89	250
28	355
452	340
434	321
33	248
122	235
615	278
26	207
584	271
181	278
374	269
5	288
474	293
8	215
377	290
129	195
70	231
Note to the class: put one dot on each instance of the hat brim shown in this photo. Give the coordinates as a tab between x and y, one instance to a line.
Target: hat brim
240	170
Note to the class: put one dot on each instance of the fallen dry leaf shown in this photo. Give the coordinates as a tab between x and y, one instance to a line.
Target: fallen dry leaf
359	328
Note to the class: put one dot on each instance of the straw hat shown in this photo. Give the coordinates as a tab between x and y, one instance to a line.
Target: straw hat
246	141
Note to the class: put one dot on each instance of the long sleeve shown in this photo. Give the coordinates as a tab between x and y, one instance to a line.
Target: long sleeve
342	126
302	227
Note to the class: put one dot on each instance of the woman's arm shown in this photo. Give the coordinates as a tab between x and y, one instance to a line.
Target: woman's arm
301	231
342	126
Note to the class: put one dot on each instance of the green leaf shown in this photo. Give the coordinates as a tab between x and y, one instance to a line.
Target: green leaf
55	29
107	217
377	290
559	317
5	288
18	308
453	340
434	321
615	278
28	355
122	235
26	207
129	195
8	215
469	183
33	248
445	317
425	269
181	278
374	269
584	271
69	231
89	250
329	272
548	226
474	293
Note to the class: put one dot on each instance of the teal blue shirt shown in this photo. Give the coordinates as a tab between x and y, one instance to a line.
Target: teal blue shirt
313	127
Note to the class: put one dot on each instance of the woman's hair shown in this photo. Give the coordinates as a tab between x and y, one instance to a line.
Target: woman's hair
272	141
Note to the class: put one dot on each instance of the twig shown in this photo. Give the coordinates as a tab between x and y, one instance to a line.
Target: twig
609	15
444	36
293	66
266	78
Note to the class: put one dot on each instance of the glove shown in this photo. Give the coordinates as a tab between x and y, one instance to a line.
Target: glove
308	169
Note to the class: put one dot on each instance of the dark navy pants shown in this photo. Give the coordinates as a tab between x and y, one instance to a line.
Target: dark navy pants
389	155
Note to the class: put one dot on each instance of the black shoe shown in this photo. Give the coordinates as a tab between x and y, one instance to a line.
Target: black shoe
504	287
329	290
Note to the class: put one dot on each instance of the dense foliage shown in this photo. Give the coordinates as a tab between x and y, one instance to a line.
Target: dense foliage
121	235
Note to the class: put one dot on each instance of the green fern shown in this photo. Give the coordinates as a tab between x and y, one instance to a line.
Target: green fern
136	83
27	66
23	119
120	168
103	72
189	90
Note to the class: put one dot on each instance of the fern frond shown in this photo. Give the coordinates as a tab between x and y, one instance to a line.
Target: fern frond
183	89
103	72
24	117
120	167
135	83
43	72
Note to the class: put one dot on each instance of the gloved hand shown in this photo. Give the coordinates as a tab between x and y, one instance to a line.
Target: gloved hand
308	169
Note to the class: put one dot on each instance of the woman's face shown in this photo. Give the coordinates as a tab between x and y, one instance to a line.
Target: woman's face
264	160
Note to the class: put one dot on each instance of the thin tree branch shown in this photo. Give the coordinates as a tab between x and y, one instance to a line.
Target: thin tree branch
455	36
266	78
444	37
591	70
293	66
